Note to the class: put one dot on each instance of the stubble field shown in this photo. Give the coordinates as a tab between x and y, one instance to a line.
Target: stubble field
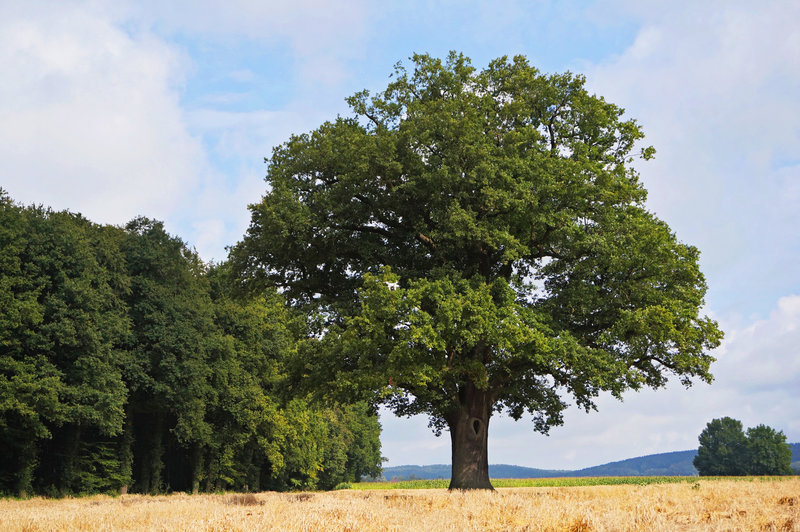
753	504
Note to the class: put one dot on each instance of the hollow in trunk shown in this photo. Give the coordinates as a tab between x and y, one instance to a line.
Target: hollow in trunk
469	429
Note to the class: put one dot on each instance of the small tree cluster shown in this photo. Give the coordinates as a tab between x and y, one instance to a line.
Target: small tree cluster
727	450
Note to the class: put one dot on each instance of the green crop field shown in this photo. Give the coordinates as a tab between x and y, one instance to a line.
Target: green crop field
552	482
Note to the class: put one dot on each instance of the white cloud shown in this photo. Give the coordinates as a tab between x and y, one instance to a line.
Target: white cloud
91	120
764	357
238	143
90	117
245	136
715	86
321	35
409	441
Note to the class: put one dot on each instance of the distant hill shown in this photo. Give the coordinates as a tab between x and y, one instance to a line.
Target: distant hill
443	471
678	463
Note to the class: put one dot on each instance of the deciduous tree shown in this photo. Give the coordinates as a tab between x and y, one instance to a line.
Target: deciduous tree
767	452
61	326
725	449
722	448
472	242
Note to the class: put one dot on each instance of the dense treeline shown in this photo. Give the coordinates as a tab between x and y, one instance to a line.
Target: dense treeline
126	363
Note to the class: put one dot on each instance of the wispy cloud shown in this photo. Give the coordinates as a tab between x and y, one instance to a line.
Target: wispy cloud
715	86
323	36
90	118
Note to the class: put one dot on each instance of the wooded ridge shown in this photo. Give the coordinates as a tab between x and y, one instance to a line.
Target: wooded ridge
677	463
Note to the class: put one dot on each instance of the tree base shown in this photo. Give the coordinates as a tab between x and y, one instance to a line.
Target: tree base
469	438
477	486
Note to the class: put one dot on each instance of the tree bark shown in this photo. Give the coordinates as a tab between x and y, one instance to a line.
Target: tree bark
150	430
28	460
469	429
197	466
125	470
68	473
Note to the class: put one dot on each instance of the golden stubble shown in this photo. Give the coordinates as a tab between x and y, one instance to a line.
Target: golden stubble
704	505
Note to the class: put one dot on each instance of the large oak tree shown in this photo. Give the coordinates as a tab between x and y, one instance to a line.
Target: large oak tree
475	241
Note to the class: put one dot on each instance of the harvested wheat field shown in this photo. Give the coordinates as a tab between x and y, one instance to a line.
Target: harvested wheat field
705	505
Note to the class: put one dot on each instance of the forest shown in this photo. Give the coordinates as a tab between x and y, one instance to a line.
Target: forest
127	364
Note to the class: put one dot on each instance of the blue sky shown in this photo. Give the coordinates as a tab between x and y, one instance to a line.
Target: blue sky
167	109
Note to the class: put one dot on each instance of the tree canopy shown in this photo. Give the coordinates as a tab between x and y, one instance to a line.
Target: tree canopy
767	452
474	241
725	450
722	448
125	361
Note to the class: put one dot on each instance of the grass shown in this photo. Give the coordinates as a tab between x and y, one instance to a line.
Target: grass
606	505
555	482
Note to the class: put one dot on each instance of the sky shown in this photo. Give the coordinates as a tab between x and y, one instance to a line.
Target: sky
167	109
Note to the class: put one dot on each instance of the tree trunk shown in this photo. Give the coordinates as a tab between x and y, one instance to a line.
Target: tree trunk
469	429
149	433
156	459
68	480
125	471
197	466
28	461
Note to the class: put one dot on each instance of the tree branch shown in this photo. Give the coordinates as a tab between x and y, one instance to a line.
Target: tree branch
426	240
368	229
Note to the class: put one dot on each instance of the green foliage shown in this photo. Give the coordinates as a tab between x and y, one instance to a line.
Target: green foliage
722	448
60	322
352	447
127	362
767	452
476	241
725	449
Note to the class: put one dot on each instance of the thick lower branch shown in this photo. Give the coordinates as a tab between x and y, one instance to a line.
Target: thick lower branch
426	240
